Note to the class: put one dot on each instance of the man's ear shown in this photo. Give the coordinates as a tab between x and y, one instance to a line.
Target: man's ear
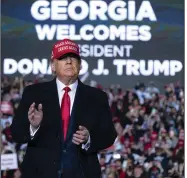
53	68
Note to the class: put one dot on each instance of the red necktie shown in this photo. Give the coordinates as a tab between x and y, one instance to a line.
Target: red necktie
65	110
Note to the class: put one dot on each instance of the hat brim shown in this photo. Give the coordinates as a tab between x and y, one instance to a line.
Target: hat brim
69	54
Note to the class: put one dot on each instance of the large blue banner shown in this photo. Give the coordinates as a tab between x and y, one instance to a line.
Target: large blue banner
121	42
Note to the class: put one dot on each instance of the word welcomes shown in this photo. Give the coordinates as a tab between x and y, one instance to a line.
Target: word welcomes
61	12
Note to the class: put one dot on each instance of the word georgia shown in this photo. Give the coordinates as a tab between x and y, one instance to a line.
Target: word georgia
116	10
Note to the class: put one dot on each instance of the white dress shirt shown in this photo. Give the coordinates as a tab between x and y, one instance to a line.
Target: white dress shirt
72	92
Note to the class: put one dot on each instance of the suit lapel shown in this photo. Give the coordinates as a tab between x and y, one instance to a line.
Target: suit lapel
52	97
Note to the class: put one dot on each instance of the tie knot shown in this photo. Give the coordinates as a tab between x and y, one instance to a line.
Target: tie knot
67	89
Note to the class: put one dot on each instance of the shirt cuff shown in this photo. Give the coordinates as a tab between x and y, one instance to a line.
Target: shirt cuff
33	131
86	146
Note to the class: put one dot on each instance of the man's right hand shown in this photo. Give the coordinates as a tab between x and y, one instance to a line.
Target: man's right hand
35	115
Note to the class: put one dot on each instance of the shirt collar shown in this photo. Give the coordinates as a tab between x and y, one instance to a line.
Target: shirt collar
60	85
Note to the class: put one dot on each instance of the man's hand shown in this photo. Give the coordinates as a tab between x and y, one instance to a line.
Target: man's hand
35	116
81	136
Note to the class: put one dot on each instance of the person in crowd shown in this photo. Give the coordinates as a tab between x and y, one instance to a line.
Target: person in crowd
150	134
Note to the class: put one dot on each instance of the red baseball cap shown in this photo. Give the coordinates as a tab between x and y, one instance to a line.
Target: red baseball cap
64	47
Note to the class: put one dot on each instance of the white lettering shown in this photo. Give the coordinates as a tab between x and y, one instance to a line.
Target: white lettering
84	10
146	11
84	34
10	66
132	33
150	67
40	66
132	67
106	50
119	64
117	32
72	33
40	10
46	32
99	9
145	34
25	66
161	67
62	32
94	10
59	10
131	10
175	66
101	32
128	50
89	32
117	6
100	67
98	51
84	67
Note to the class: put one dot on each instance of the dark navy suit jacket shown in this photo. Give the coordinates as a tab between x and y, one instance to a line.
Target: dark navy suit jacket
44	155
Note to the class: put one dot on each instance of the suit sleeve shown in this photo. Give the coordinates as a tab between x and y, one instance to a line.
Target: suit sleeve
105	134
20	124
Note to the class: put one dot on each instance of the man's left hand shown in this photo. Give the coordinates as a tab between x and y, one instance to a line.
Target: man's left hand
81	136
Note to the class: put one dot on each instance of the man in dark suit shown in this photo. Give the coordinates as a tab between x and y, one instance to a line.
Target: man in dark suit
65	122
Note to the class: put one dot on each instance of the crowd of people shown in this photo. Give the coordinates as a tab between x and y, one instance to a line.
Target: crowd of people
150	127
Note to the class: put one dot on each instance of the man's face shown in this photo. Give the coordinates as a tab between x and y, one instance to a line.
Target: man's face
66	67
137	172
102	161
118	165
7	124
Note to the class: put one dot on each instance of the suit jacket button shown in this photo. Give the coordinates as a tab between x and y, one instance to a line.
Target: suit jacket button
54	162
64	151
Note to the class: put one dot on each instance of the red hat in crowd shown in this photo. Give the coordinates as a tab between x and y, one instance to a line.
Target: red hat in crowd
147	146
64	47
154	135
